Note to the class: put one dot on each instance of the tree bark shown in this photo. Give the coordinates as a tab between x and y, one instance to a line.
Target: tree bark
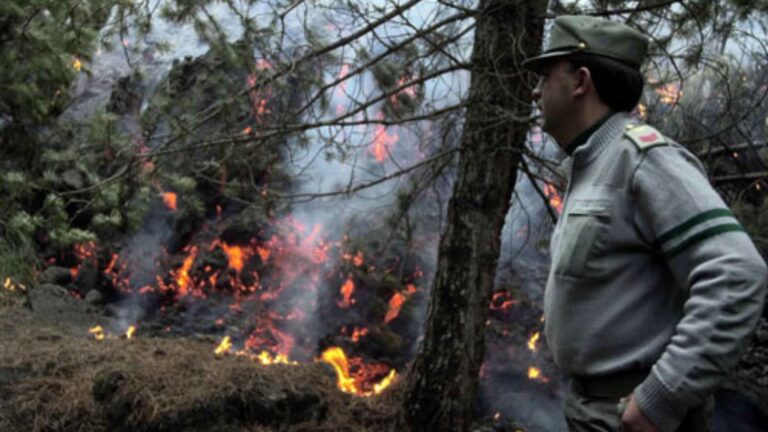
444	377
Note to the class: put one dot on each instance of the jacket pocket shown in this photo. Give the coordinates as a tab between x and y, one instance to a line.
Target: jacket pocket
586	222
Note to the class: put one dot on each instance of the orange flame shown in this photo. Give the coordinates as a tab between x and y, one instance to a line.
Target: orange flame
183	279
358	333
169	198
346	291
395	303
84	251
382	143
236	255
346	382
130	332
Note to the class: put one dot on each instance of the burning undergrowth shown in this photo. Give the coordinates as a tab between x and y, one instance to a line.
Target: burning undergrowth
64	382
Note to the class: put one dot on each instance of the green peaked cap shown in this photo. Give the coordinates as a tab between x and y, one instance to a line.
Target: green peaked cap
572	34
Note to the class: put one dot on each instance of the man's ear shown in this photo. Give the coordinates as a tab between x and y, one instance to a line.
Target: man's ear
583	81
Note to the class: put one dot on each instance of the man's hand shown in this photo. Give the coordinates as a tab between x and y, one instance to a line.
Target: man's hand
634	420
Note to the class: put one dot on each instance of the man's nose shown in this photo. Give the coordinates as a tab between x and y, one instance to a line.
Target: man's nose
536	92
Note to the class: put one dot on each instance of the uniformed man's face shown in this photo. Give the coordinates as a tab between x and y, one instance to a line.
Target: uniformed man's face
554	97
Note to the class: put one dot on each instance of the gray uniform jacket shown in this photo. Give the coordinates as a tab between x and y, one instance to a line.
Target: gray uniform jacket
650	270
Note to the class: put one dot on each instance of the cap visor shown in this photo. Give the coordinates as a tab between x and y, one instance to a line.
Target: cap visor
535	64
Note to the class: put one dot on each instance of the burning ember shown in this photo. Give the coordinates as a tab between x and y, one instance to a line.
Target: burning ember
97	332
642	111
535	374
169	199
346	291
266	358
357	333
10	285
669	94
502	300
396	302
555	201
356	378
533	340
224	346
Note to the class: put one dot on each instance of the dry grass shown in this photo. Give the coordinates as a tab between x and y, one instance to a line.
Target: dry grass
54	381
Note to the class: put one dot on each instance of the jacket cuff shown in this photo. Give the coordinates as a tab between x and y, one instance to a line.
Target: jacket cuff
665	410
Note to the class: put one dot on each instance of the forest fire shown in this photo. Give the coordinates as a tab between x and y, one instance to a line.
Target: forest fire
270	285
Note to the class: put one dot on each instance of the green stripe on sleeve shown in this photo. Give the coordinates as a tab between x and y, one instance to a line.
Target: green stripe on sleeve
685	226
707	233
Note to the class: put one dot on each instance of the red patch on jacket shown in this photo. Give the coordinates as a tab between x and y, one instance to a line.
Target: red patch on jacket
651	137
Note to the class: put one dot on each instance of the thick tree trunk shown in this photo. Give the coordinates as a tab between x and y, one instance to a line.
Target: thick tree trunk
444	377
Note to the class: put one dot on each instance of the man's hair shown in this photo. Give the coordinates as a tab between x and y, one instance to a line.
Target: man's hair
618	84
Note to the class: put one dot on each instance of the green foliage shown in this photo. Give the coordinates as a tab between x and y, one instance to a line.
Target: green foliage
41	43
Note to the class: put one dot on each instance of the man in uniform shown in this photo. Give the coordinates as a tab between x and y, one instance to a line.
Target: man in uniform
654	288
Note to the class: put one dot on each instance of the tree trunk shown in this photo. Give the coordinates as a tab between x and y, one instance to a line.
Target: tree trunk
444	377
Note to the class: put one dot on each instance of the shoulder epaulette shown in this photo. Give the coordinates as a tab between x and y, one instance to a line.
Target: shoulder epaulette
644	136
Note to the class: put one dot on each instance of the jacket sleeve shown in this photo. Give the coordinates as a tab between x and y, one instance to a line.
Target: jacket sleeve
722	275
